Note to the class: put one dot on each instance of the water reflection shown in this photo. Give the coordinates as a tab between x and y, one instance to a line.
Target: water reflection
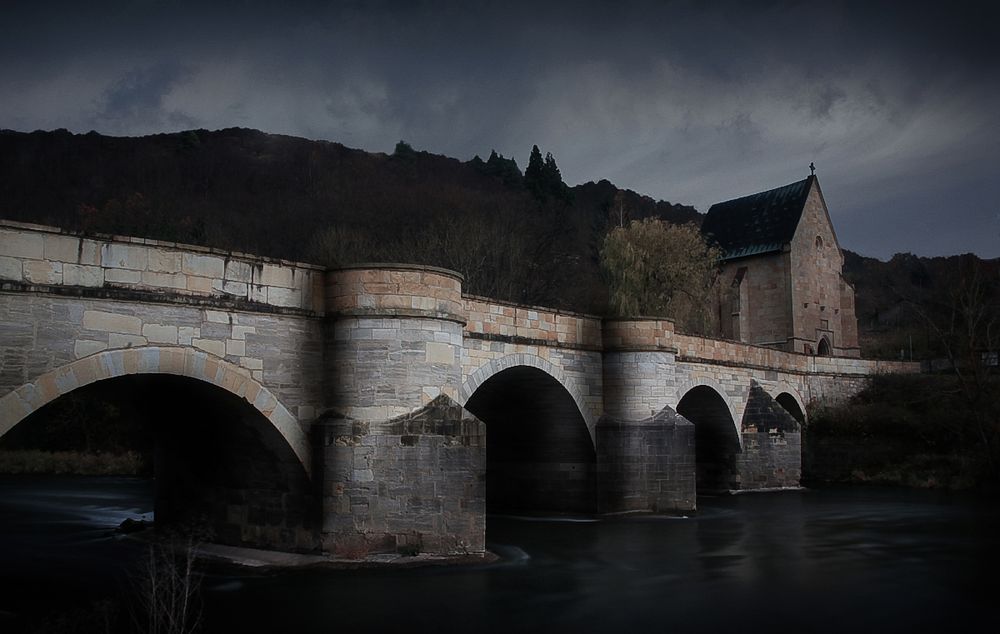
817	561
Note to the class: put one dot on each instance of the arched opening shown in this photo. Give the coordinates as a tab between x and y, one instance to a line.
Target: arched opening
539	453
823	348
217	464
716	442
788	402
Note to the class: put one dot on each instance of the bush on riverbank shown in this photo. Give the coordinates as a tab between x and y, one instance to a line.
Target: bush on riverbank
33	461
908	430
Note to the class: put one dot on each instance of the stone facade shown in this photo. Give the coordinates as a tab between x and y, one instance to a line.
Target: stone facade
362	375
790	295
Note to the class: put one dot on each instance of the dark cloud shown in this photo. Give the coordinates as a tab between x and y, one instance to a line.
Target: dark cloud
136	101
689	101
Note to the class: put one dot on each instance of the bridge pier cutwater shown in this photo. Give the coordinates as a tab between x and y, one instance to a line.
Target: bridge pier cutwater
384	396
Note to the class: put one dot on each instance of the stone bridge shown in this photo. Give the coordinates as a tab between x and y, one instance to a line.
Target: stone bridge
348	410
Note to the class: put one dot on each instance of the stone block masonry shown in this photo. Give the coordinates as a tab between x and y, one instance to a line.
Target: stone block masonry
361	376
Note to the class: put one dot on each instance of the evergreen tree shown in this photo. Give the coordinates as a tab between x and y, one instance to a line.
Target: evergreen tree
534	174
554	186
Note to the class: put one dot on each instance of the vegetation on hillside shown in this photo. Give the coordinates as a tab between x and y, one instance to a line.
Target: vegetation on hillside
523	237
912	430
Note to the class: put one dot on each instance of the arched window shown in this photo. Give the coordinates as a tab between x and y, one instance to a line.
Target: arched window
823	349
819	242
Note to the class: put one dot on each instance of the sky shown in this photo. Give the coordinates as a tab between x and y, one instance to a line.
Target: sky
897	104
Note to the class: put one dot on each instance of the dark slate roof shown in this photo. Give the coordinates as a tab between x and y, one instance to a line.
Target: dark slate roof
759	223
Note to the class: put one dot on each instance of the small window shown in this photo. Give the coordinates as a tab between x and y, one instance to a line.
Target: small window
819	242
823	349
824	324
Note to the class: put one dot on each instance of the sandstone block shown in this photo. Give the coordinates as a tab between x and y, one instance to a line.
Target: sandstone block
199	284
82	275
286	297
186	333
439	353
84	347
112	322
42	272
239	271
90	253
18	244
252	364
234	288
10	268
164	261
236	348
118	340
211	346
240	332
164	280
273	275
159	333
217	316
203	265
123	256
123	276
60	248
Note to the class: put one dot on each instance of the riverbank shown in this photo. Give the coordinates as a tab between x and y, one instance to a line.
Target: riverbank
38	462
917	431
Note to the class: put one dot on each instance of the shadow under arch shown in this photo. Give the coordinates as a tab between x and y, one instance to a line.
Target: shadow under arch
540	452
171	360
717	443
792	405
220	468
491	368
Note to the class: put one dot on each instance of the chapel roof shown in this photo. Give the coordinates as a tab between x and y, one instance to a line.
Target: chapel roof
759	223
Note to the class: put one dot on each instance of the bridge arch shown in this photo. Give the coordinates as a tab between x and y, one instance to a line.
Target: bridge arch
685	388
489	369
540	452
789	398
717	436
17	405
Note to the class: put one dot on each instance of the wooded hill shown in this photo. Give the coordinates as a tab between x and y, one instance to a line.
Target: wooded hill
514	237
520	235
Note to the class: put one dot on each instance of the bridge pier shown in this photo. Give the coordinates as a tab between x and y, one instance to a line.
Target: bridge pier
401	463
645	451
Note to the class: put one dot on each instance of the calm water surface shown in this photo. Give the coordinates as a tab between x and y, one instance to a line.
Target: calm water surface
844	560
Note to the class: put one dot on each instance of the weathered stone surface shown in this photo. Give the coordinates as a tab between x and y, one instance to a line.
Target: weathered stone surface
42	272
22	244
124	256
646	465
10	268
412	482
112	322
83	275
203	265
160	333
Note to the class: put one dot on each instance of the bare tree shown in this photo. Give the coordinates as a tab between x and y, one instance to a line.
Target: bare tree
966	323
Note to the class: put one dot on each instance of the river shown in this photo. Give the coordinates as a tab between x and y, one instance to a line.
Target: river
829	560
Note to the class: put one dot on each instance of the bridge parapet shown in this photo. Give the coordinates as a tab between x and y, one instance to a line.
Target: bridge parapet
722	352
490	318
36	255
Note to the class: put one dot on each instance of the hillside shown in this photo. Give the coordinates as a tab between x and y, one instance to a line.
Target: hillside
512	235
317	201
